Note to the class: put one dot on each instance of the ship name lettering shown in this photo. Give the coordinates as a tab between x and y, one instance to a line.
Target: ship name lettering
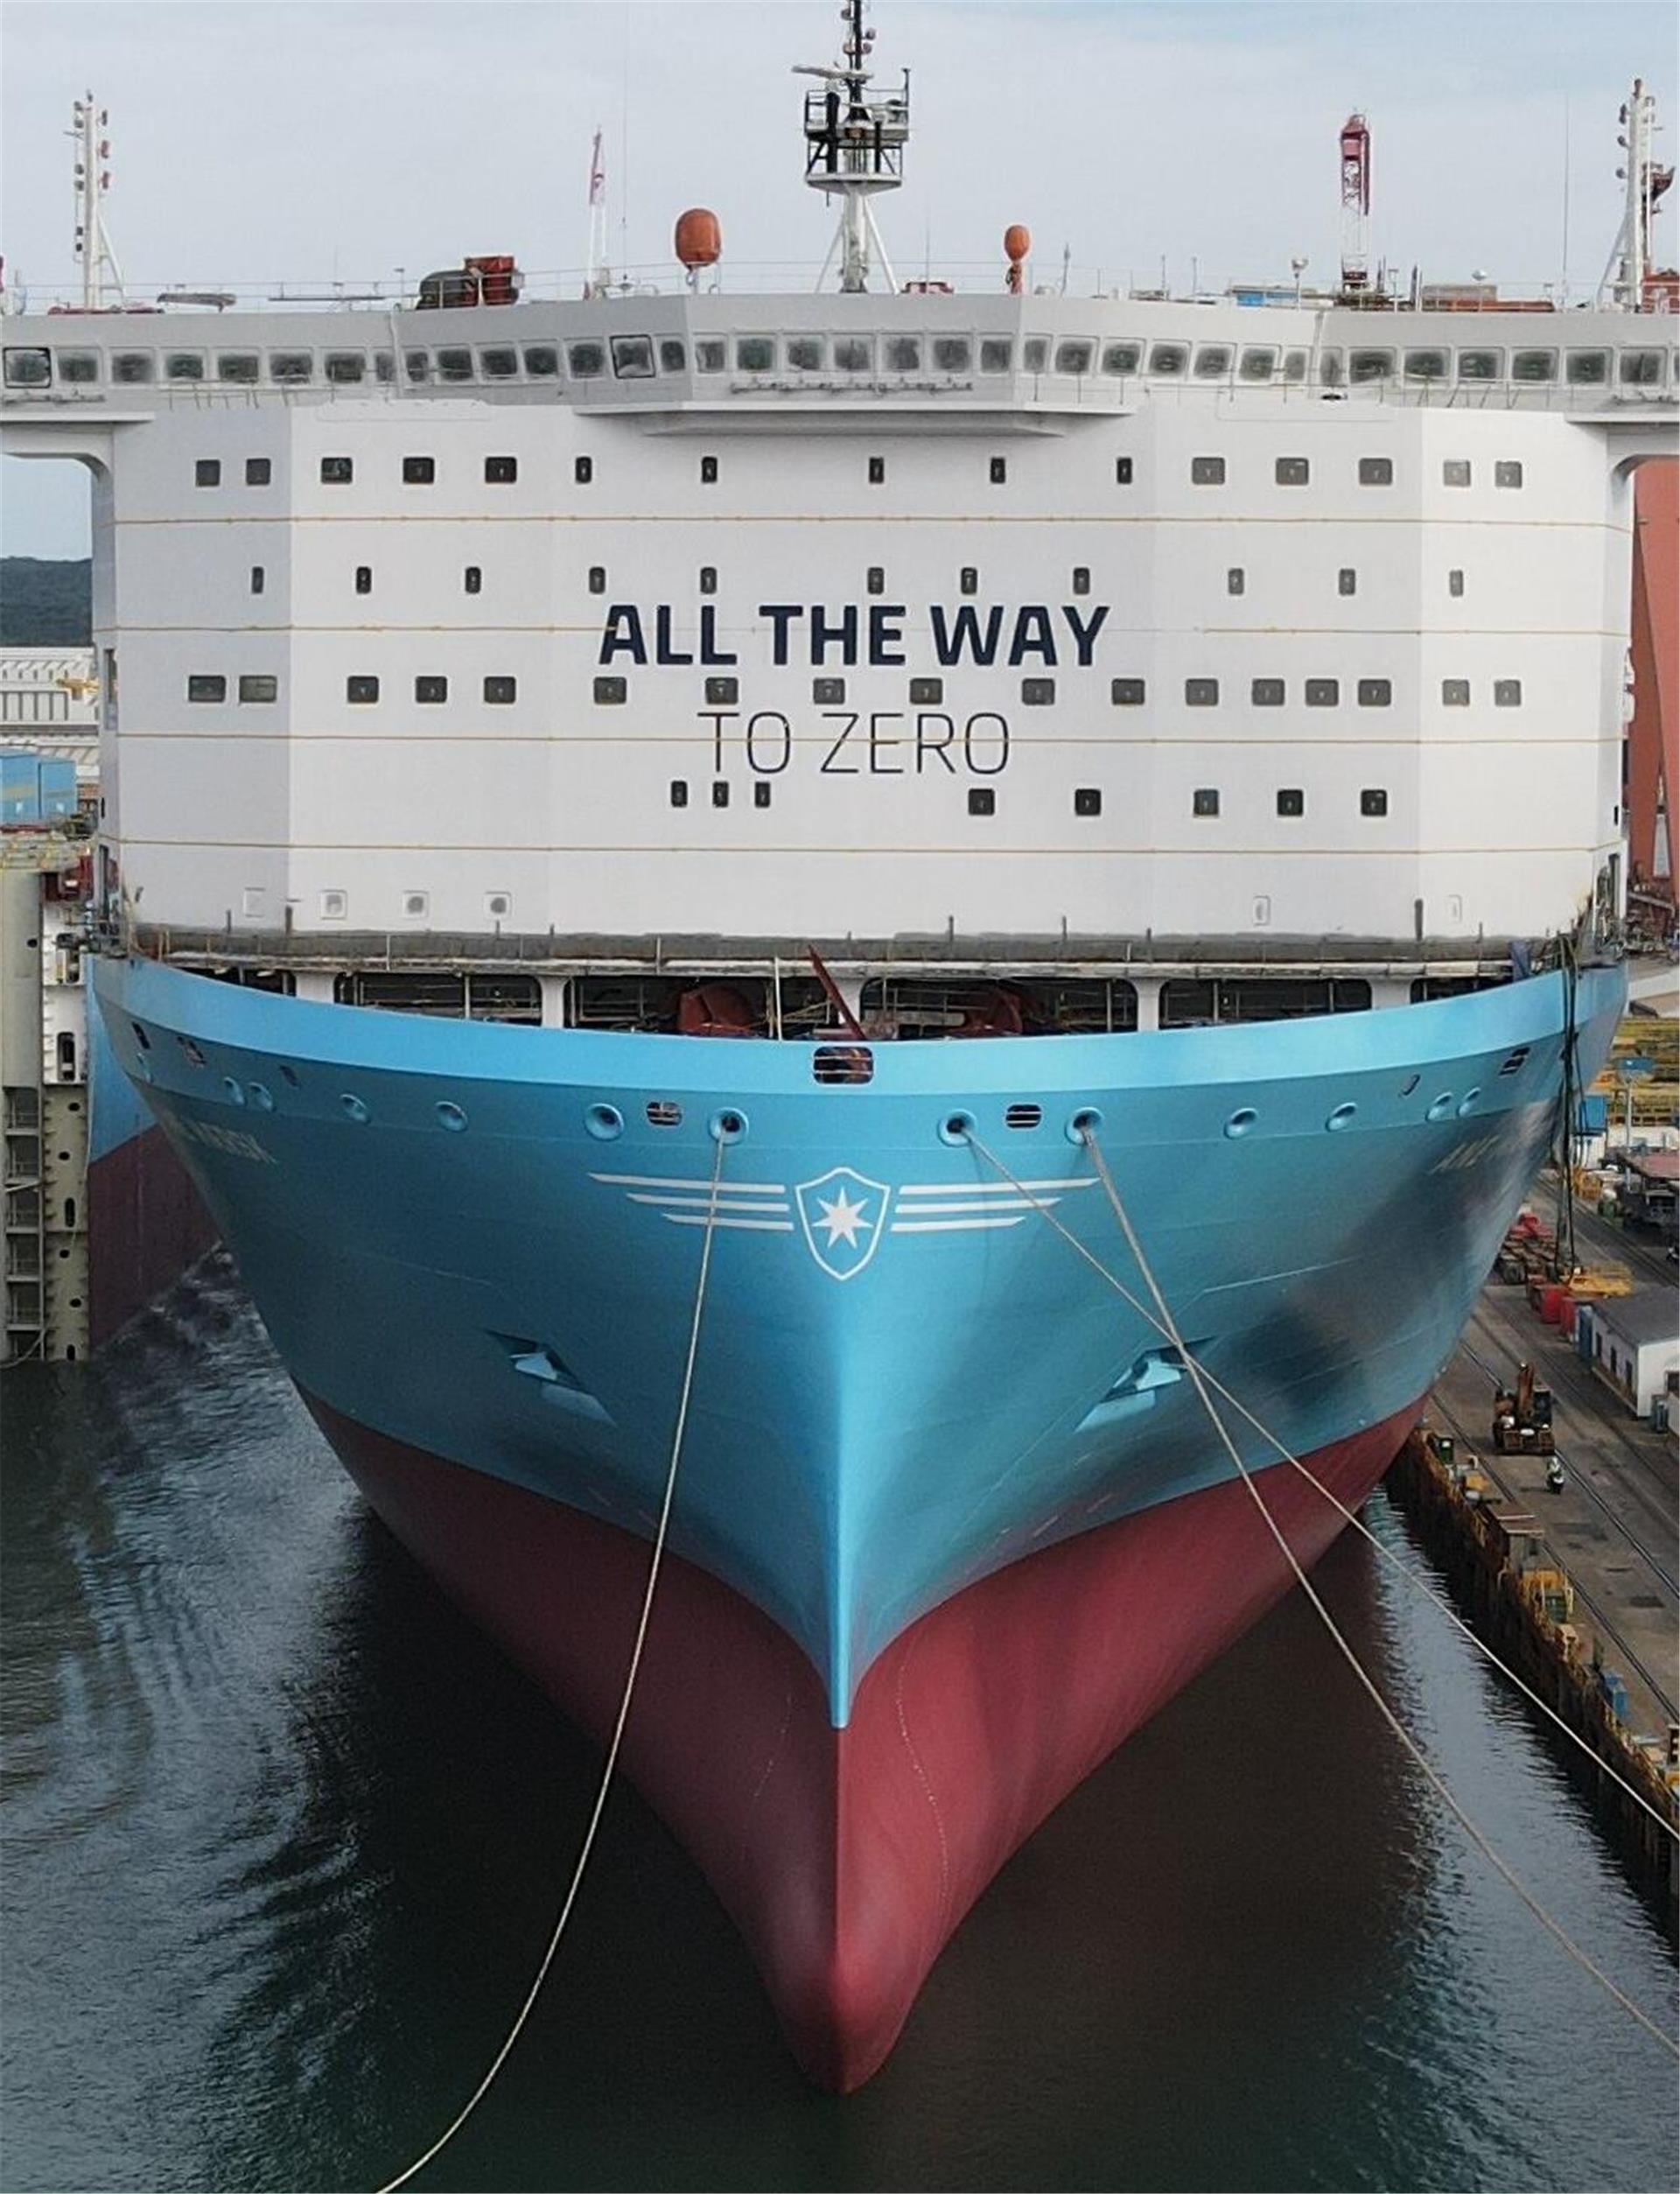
852	636
865	746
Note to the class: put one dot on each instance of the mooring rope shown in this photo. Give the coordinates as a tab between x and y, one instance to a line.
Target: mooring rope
612	1761
1419	1757
1418	1583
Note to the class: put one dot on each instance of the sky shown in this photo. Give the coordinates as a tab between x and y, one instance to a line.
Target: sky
312	140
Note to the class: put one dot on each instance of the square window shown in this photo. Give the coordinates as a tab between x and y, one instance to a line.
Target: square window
1481	365
875	580
1082	579
586	362
454	365
1291	801
679	793
1121	358
419	472
1455	693
206	686
1037	693
877	471
761	794
1455	471
927	693
710	354
344	367
633	358
127	366
1168	358
1235	580
996	354
291	369
1455	581
1347	580
472	580
542	361
1374	801
1204	800
1123	471
1376	693
1587	368
1377	472
1508	472
1208	472
708	472
1073	357
720	792
613	693
806	354
259	471
430	691
240	366
1508	693
364	578
982	800
1088	800
500	471
1292	471
854	353
1534	365
597	578
968	580
1635	368
1214	362
999	471
1267	693
361	690
723	692
1036	354
829	693
417	365
1257	365
708	578
583	470
1126	693
207	473
1323	693
257	686
1202	693
499	691
755	353
337	472
258	579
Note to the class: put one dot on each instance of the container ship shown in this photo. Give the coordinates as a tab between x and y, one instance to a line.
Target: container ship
755	808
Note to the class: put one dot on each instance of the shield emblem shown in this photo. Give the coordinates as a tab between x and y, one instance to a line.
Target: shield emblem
843	1214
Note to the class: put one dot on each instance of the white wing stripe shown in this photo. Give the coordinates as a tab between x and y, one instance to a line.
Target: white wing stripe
930	1210
988	1188
949	1226
757	1226
659	1180
700	1202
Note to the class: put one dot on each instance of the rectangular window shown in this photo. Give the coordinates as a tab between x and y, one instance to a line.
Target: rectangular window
854	353
417	365
1481	365
1035	354
1267	693
586	362
1587	368
1204	800
1123	471
1374	801
255	686
206	686
1120	358
1455	471
1377	472
345	367
1037	693
364	578
1375	693
708	578
723	692
999	471
679	788
77	365
499	472
829	693
953	354
1214	362
597	578
430	691
761	794
1534	366
755	353
720	792
1291	801
1088	800
1208	472
1235	580
1082	579
241	368
806	354
419	472
361	690
499	364
1202	693
259	471
1455	582
1075	357
1636	368
613	693
875	580
184	365
1426	365
708	472
710	355
257	579
982	800
927	693
337	472
877	471
454	365
472	580
1169	359
996	354
968	579
291	369
1347	580
1508	472
1370	365
1508	693
583	470
1127	693
633	358
1292	471
1323	693
1257	365
1455	693
542	361
207	473
500	691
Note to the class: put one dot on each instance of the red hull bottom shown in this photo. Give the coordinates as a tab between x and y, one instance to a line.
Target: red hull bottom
847	1857
145	1226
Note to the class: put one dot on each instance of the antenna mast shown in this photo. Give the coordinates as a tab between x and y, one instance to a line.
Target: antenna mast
1356	206
597	274
1629	264
854	147
93	181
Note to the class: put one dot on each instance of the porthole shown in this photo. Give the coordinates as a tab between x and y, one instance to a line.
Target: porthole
1085	1125
956	1127
603	1122
1442	1106
289	1075
727	1126
1410	1085
236	1090
262	1097
140	1036
1344	1116
1469	1103
1241	1121
354	1109
450	1117
194	1056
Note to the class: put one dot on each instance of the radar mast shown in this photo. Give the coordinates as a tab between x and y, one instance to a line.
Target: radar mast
854	147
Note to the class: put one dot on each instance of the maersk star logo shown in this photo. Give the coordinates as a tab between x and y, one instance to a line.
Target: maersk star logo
842	1214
